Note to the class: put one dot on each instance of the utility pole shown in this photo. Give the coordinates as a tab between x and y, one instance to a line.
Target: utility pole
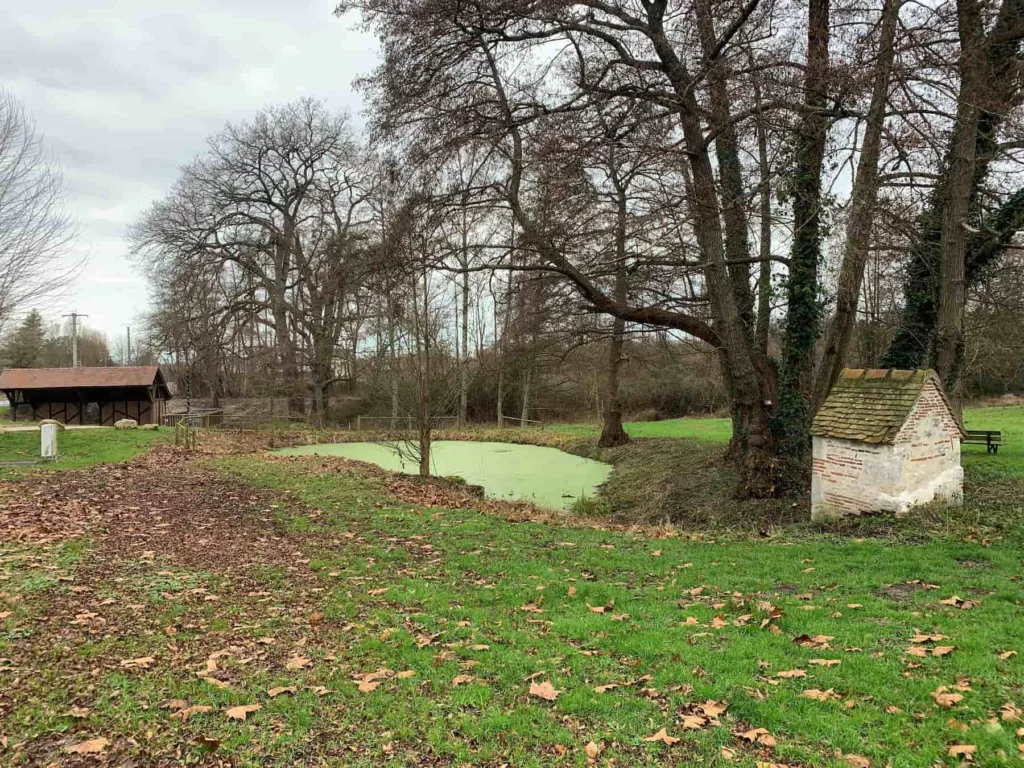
128	359
74	337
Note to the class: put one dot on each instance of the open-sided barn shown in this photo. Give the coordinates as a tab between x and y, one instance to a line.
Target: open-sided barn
88	395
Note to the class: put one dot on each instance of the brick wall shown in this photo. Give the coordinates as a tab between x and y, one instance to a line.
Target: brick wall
847	475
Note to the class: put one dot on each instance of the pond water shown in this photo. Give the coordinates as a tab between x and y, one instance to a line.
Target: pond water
546	476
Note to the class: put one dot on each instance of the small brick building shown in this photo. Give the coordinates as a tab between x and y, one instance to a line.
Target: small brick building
884	441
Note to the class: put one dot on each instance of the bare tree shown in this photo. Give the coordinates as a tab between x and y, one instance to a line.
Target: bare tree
778	96
35	228
273	216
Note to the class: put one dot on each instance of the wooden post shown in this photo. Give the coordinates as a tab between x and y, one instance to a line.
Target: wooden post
359	423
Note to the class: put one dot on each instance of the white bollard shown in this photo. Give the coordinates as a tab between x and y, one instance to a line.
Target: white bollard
48	437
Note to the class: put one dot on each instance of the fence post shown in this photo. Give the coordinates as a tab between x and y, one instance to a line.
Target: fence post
359	423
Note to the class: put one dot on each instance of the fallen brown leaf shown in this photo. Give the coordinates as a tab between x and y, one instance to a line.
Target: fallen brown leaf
759	736
142	662
693	722
187	712
944	699
959	750
90	747
819	695
241	712
791	673
544	691
1009	712
713	709
663	737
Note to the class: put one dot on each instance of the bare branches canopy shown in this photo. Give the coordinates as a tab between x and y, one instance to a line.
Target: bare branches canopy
35	228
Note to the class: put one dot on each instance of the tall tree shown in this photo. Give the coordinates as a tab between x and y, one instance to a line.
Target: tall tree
24	347
275	213
862	214
958	234
36	231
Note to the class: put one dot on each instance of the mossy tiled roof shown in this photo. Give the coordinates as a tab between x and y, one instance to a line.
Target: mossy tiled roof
870	404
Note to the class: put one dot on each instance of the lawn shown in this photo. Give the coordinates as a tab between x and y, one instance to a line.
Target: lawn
1009	419
79	448
408	635
702	429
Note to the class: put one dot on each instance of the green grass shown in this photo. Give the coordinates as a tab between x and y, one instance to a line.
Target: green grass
703	429
78	448
402	587
1010	419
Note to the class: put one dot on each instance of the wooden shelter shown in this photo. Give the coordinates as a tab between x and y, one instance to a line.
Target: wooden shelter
88	395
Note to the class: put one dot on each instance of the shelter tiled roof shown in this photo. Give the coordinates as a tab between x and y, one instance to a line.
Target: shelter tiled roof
82	378
871	404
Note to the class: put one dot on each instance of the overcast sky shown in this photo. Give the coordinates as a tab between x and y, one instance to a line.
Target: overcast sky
126	91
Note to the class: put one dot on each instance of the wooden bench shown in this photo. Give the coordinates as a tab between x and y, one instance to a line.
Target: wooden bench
989	438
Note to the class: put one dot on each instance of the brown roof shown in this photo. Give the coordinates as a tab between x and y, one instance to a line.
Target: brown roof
871	404
82	378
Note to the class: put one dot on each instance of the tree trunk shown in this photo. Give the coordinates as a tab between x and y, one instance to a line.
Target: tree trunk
862	216
737	245
501	392
393	367
764	277
952	295
995	88
282	329
423	382
527	382
613	433
319	398
464	362
752	438
793	418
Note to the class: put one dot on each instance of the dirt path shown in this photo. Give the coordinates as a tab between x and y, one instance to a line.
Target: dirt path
164	504
168	544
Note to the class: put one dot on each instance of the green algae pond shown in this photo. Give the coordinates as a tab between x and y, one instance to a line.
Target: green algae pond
546	476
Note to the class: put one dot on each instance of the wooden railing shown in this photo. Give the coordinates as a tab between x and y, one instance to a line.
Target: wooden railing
196	418
522	422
